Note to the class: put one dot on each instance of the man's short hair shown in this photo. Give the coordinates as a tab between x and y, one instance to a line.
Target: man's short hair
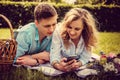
43	11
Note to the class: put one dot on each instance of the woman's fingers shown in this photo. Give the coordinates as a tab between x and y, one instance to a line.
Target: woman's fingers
70	62
63	59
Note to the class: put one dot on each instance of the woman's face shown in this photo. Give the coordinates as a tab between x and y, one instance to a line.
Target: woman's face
75	29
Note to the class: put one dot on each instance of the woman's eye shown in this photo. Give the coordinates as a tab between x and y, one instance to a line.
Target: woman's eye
69	27
77	29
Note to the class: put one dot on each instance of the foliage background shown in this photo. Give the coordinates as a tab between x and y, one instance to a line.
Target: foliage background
107	12
21	13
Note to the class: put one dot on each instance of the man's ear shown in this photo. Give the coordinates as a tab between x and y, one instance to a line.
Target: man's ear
36	22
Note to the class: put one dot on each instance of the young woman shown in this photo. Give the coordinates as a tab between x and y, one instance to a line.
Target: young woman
73	40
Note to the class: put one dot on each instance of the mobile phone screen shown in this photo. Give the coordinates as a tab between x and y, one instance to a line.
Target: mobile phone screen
71	58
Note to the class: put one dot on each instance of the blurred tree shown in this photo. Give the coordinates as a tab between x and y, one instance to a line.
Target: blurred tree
70	1
113	2
5	0
43	0
56	1
117	2
23	0
87	1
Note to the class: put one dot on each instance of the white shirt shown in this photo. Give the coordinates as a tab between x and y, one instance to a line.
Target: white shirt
59	51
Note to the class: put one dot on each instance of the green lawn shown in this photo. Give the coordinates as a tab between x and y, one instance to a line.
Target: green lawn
4	33
108	42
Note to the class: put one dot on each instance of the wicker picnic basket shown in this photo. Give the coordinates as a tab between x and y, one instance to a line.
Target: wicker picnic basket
7	49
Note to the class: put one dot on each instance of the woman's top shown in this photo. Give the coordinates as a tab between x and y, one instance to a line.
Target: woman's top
59	51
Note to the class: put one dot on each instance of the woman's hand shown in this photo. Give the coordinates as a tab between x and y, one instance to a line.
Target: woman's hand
63	65
76	64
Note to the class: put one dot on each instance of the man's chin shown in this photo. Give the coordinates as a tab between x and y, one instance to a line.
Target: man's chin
49	35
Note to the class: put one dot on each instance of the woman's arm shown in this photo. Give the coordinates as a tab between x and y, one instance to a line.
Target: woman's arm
55	51
85	56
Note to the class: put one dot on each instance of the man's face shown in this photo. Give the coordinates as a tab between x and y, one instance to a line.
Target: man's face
46	26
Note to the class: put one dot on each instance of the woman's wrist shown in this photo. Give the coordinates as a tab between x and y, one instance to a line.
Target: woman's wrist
55	63
80	63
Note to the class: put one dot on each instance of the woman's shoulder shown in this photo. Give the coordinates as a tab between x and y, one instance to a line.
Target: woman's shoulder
58	27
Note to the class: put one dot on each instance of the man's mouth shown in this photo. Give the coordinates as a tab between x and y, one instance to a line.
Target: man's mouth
49	32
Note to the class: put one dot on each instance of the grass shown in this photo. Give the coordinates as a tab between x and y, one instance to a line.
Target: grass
4	33
108	42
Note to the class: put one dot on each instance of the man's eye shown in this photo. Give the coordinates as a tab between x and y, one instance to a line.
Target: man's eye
47	26
54	24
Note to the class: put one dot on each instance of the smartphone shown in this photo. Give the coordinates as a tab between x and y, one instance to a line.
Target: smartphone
71	58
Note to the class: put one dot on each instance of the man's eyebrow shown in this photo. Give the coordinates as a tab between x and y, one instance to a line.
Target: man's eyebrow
50	24
47	25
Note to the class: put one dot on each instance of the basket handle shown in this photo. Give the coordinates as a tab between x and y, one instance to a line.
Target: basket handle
10	25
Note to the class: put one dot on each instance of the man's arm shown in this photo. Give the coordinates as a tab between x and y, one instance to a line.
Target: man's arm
33	59
22	44
42	56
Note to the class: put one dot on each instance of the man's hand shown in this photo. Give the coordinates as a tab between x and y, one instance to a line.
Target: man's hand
26	60
30	60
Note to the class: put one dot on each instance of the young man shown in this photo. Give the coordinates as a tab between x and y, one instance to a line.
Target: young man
34	39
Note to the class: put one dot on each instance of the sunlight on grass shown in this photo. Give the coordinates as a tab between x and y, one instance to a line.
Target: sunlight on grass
5	34
108	41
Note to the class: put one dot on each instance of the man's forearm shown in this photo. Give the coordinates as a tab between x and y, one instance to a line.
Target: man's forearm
41	56
36	56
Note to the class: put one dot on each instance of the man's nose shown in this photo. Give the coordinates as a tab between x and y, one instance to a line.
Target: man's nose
51	28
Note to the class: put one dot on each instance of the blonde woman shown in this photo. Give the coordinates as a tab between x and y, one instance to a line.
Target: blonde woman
72	43
73	39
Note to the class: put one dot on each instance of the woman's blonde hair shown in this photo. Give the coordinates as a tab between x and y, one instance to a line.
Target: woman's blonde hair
89	26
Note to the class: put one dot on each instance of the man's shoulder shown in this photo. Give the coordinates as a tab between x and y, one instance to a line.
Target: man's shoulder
28	28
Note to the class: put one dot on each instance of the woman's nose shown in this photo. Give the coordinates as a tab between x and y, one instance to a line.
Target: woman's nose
72	32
